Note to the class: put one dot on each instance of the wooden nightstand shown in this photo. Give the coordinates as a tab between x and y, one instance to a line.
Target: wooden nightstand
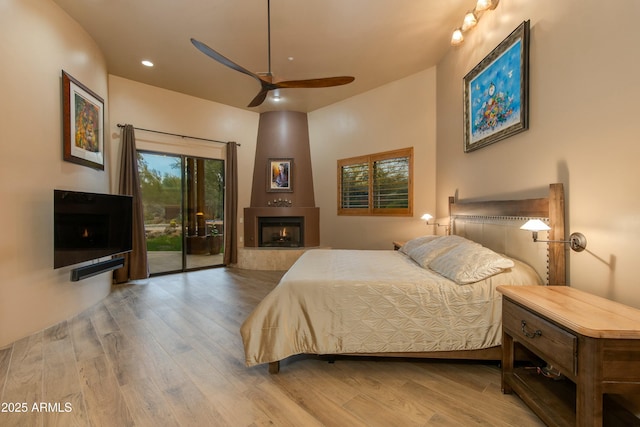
592	341
397	244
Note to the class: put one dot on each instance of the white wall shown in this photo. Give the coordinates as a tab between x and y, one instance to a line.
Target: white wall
583	106
38	41
398	115
149	107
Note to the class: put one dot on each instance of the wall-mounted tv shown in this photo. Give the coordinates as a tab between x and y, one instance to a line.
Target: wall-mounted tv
88	226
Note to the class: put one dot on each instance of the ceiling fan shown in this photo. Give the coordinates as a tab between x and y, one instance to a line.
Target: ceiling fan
266	80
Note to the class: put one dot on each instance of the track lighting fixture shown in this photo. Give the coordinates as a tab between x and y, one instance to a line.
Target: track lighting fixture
471	19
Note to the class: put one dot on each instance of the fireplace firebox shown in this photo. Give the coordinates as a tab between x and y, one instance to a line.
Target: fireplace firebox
281	232
307	217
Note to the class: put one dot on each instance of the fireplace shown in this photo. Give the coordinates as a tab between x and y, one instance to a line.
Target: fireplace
281	232
306	219
282	135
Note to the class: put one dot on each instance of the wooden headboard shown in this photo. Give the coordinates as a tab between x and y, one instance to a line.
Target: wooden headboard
496	225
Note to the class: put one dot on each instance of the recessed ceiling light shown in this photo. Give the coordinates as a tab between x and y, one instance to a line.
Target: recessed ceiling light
147	63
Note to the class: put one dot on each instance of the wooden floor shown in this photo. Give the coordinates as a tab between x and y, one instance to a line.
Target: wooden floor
167	352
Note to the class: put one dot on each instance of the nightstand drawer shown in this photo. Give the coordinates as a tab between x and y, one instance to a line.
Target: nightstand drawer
554	344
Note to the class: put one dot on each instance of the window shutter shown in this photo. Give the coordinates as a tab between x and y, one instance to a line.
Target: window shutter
355	186
391	183
376	184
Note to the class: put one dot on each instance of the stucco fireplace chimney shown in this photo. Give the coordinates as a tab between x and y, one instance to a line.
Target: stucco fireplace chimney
283	137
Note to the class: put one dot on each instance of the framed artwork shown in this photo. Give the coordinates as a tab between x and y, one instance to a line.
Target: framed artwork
279	175
83	124
496	92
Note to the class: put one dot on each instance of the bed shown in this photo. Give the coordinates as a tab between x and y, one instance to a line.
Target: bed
433	298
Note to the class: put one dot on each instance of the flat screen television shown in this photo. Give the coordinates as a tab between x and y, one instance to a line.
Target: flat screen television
88	226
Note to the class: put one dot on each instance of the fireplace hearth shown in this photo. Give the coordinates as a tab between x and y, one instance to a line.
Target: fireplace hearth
281	232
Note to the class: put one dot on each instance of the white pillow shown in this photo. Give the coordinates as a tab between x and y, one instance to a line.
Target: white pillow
469	263
414	243
426	252
520	274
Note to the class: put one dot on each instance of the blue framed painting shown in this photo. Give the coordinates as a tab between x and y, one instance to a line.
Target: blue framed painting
496	93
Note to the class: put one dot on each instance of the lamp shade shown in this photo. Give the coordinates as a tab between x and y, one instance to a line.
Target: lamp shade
426	217
535	225
470	20
482	5
457	37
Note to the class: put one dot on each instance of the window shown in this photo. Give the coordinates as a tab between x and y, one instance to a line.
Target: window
377	184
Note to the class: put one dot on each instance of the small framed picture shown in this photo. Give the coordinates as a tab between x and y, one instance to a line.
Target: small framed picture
83	124
279	175
496	93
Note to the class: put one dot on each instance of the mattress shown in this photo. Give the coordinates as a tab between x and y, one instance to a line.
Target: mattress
374	301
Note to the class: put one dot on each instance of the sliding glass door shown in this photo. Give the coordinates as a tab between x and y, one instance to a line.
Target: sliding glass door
204	208
183	200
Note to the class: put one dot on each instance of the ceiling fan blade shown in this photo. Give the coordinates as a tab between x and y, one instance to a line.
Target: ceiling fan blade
314	83
293	84
260	97
223	60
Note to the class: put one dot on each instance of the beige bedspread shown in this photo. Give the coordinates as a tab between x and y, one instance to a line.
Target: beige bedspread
372	301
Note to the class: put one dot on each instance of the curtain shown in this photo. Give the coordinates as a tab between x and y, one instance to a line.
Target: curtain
135	262
231	206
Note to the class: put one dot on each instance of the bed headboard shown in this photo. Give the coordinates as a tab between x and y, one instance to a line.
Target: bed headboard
496	225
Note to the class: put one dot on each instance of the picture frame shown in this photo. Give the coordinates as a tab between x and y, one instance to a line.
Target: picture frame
496	92
83	124
279	175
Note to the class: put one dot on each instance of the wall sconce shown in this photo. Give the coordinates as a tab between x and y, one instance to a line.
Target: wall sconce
471	18
427	217
577	241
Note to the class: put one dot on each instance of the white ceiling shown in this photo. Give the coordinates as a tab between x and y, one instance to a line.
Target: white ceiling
376	41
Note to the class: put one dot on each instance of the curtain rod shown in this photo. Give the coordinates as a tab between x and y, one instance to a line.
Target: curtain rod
182	136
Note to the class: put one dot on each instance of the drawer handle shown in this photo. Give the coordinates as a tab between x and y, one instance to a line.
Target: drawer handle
537	333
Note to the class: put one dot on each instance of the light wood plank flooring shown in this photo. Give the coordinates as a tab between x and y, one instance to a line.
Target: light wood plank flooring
167	352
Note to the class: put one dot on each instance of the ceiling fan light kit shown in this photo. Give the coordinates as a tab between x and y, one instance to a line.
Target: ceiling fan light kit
266	79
